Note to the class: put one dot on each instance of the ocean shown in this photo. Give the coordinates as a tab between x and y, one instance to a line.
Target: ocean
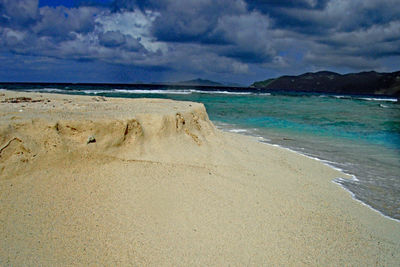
358	134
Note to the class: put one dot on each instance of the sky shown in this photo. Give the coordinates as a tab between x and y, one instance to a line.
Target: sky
230	41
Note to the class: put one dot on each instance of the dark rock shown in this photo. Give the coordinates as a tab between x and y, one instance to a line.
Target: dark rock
363	83
91	139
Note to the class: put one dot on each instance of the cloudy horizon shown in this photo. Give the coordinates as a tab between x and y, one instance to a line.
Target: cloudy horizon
233	41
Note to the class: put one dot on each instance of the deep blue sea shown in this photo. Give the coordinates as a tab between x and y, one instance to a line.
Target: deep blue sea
358	134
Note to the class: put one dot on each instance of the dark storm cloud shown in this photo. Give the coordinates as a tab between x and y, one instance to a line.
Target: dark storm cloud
65	33
117	39
119	5
267	5
188	21
367	29
344	16
63	23
278	9
112	38
226	23
249	36
252	32
205	36
18	13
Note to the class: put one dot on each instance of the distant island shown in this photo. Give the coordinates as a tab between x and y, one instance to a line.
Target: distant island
363	83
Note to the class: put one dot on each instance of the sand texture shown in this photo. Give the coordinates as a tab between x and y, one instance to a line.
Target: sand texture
89	181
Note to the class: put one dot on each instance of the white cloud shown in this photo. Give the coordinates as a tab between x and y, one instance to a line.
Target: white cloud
134	23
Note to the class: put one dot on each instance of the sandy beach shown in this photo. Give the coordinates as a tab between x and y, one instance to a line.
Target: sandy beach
151	182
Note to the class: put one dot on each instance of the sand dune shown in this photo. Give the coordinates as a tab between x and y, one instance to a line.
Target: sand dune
101	181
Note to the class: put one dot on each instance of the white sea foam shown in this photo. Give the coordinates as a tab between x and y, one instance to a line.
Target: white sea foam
378	99
166	91
48	90
249	132
237	130
325	162
263	94
142	91
263	139
221	124
94	91
222	92
384	99
340	96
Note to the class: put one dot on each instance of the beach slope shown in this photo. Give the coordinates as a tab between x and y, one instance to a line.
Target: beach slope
100	181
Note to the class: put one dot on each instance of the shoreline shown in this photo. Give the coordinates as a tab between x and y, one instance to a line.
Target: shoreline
328	163
90	180
353	177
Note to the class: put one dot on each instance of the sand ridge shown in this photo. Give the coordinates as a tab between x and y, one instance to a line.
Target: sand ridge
160	185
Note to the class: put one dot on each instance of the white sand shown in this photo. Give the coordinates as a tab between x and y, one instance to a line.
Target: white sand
162	186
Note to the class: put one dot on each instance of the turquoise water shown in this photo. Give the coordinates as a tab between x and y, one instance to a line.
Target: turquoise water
359	135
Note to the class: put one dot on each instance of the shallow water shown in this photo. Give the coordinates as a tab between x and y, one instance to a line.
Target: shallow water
359	135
